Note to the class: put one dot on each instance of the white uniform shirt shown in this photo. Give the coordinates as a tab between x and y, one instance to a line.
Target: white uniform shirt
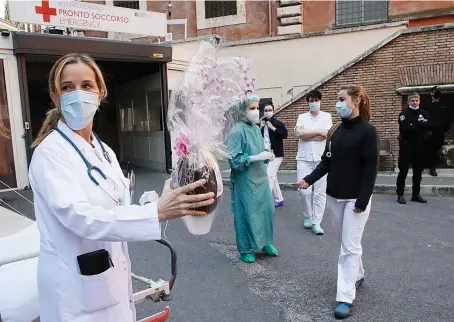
266	138
75	216
312	150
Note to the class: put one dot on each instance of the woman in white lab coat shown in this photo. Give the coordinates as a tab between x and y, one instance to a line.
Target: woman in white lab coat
79	211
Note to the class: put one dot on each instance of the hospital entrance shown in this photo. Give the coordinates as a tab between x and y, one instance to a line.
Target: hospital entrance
132	118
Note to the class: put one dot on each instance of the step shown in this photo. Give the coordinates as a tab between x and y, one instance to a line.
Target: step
440	186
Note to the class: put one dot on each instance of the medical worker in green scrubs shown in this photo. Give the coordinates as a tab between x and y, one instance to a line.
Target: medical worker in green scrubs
252	201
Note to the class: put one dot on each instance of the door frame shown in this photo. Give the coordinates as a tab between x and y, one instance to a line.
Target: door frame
164	107
13	96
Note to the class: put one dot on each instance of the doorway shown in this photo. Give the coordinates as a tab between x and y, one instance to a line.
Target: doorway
448	102
130	120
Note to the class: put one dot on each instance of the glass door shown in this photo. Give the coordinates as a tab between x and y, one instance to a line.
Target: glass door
7	166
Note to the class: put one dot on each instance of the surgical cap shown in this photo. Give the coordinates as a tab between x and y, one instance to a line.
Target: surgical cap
246	102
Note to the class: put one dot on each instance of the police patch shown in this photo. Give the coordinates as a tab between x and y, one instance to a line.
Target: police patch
402	117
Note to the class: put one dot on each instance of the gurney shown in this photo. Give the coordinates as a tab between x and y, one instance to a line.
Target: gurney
19	253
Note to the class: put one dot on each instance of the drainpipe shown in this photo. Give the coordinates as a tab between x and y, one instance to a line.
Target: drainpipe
270	31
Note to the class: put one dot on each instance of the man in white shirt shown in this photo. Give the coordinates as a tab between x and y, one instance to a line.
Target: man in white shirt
312	129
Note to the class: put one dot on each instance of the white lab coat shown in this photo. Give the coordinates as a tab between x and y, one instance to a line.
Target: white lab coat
74	217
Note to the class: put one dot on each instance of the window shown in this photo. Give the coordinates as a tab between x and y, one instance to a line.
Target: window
128	4
360	12
212	14
215	9
154	101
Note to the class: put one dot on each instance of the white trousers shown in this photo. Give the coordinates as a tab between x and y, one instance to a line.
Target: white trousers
350	227
313	199
273	167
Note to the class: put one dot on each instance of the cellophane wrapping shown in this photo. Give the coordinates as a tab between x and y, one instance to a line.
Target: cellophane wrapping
203	107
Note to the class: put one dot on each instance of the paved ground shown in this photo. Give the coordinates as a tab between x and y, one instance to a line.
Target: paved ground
408	257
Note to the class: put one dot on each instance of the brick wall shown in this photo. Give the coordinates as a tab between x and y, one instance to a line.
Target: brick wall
256	26
379	75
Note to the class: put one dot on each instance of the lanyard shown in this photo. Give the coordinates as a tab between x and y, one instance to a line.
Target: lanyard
91	167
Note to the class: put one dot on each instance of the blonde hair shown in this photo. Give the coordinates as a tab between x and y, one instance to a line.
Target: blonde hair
356	91
54	115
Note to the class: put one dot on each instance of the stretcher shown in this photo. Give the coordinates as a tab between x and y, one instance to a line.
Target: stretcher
19	252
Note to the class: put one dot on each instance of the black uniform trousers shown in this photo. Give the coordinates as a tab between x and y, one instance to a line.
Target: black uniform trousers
409	154
438	138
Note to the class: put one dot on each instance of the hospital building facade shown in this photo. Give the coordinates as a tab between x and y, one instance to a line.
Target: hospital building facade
390	47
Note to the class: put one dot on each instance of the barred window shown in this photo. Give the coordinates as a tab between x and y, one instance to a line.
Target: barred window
214	9
359	12
128	4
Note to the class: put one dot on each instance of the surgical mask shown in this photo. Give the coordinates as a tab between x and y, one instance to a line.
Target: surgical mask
252	116
413	108
314	106
269	114
79	108
343	110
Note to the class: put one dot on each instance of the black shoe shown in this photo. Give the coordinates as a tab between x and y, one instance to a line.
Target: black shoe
419	199
401	200
433	172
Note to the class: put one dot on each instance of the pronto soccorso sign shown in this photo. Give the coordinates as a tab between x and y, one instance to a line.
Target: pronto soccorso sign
89	16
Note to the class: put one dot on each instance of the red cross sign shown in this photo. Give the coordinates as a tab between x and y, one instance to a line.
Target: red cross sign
45	10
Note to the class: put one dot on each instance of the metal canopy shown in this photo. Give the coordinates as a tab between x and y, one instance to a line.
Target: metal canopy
424	89
56	45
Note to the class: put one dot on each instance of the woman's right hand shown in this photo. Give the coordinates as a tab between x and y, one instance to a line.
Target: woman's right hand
302	185
177	203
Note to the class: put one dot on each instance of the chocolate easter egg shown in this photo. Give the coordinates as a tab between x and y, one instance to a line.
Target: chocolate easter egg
186	172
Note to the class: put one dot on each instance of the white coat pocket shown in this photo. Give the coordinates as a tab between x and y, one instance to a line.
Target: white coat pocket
99	291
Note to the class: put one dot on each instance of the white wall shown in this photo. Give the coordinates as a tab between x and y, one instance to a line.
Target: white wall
281	66
6	44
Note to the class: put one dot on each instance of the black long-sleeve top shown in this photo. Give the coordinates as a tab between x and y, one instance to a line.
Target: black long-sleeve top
352	163
277	137
414	128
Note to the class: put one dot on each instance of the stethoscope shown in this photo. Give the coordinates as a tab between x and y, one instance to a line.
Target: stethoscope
89	166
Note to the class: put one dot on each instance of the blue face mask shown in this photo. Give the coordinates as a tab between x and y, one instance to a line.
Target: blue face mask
79	108
314	106
413	108
343	110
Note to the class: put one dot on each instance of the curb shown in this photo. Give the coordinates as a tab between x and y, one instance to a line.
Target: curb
426	190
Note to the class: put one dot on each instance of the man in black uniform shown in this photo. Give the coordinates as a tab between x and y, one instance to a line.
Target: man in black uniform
440	120
414	133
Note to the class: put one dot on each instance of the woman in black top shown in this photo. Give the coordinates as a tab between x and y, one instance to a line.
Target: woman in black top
274	132
351	161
